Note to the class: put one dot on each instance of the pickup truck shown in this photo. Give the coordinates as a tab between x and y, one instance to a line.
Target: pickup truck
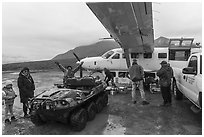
188	81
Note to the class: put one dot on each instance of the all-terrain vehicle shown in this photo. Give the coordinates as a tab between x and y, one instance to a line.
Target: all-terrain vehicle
74	103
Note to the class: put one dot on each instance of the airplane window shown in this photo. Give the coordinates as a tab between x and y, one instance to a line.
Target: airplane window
134	55
147	55
107	54
123	56
116	56
162	55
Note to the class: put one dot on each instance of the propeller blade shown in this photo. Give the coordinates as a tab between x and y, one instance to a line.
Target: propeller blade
76	56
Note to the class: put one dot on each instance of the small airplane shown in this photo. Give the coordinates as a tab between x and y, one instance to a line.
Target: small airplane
131	25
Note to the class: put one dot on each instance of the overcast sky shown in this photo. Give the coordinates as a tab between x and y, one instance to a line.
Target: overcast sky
40	31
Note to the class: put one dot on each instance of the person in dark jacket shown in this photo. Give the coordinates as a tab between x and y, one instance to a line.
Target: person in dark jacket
165	73
109	77
26	88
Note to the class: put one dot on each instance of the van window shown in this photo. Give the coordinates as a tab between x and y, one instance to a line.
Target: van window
179	55
193	63
147	55
162	55
122	74
116	56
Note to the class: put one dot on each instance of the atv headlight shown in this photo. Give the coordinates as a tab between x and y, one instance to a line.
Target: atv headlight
59	104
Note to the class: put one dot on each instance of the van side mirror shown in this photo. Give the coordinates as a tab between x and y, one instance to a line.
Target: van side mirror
189	70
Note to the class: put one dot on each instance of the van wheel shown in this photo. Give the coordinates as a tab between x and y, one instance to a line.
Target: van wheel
200	99
105	100
91	110
36	119
99	104
78	120
177	94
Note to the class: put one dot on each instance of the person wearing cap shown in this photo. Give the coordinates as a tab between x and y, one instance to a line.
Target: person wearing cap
9	96
136	73
68	71
26	88
165	74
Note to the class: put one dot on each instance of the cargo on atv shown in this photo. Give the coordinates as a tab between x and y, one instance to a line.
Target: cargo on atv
74	105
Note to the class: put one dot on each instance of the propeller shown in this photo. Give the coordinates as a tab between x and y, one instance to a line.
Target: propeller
80	69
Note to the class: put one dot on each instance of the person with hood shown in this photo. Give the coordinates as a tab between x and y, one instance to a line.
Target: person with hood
9	95
26	88
165	73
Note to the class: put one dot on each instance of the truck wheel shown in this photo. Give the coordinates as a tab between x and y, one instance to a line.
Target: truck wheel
91	110
99	104
78	120
36	119
105	100
200	99
177	94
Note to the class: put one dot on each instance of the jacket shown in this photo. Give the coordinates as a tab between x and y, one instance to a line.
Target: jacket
136	72
26	87
9	95
165	74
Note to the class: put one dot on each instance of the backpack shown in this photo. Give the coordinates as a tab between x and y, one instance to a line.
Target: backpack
138	77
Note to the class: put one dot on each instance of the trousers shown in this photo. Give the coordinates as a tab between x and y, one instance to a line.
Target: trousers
138	84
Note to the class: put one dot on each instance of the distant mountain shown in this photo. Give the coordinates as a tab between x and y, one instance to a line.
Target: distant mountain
92	50
68	58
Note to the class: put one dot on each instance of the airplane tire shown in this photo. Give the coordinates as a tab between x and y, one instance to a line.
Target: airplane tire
78	120
177	94
91	110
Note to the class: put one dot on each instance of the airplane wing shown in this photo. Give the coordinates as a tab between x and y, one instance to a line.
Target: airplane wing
129	23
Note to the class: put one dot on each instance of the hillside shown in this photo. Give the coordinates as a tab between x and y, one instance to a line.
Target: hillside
92	50
68	58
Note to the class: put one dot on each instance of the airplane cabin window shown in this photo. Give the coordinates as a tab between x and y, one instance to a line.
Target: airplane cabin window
134	55
107	55
147	55
123	56
162	55
116	56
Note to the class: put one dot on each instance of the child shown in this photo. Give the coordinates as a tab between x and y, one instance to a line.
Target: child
8	95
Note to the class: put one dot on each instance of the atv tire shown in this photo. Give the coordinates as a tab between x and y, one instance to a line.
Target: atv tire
99	104
36	119
91	110
105	100
78	120
177	94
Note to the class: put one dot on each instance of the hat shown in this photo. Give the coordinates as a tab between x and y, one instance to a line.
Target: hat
134	60
8	82
25	68
163	62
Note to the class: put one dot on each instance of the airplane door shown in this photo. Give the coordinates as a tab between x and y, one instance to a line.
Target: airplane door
115	61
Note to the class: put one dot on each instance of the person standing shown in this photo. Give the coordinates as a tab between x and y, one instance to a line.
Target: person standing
26	88
9	96
165	73
109	77
136	73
